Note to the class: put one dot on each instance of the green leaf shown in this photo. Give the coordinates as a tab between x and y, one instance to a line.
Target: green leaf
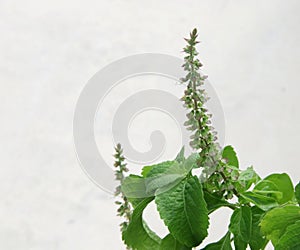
280	183
157	169
271	191
257	241
146	170
297	193
268	188
191	162
290	239
222	244
136	235
230	156
248	177
134	186
239	244
162	177
275	222
184	211
185	166
152	234
166	175
135	201
215	201
180	156
241	227
263	202
169	242
165	181
241	223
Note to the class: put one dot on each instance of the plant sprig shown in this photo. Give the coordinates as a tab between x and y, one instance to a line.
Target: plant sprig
266	209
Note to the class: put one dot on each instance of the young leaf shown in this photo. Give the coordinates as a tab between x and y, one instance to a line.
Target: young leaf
222	244
184	211
290	239
169	242
241	223
268	188
248	177
297	192
283	184
275	222
230	156
136	236
263	202
257	241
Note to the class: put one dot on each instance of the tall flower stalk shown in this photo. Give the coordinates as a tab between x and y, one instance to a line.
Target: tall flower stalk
124	209
204	136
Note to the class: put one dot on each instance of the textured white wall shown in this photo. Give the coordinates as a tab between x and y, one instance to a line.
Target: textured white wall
49	49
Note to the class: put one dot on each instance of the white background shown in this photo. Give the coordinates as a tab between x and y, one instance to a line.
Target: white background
48	51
